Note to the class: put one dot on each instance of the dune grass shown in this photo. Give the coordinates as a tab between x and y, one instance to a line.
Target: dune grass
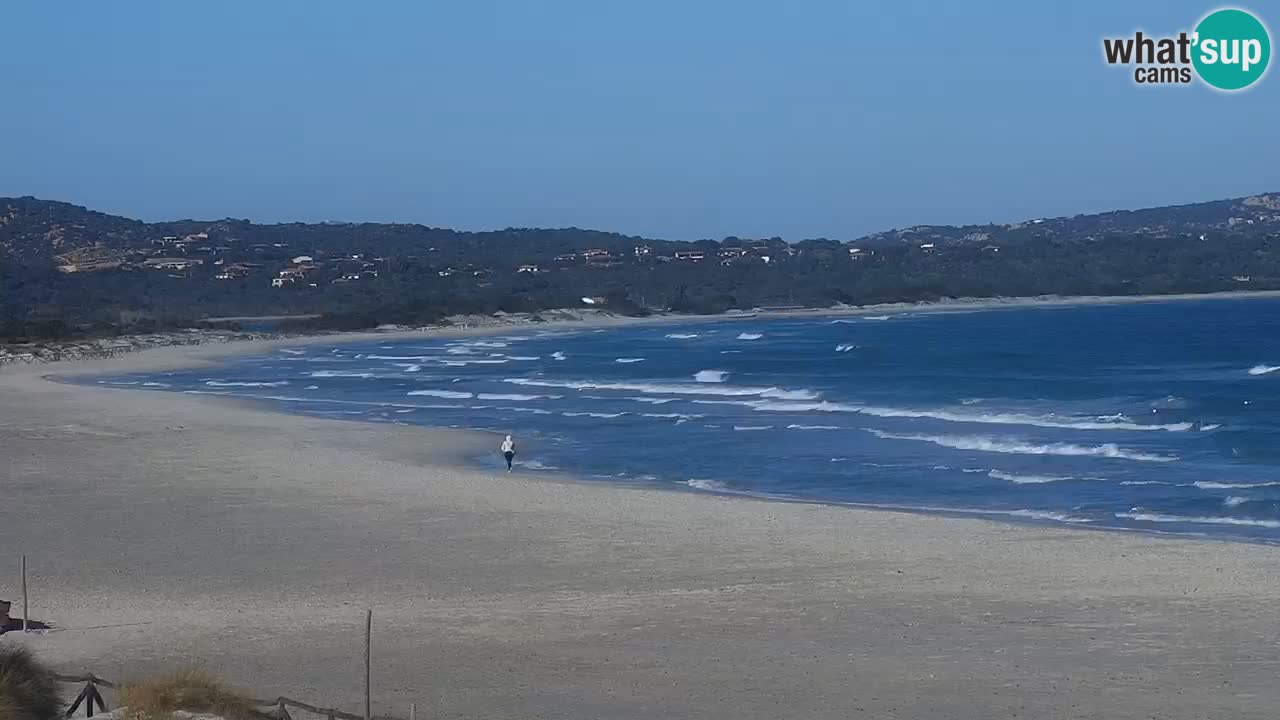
192	689
27	688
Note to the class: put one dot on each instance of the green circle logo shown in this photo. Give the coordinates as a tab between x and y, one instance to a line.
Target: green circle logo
1232	49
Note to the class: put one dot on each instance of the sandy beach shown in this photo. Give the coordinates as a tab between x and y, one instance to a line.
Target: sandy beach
166	528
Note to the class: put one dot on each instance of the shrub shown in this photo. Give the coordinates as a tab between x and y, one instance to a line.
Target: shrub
27	689
192	689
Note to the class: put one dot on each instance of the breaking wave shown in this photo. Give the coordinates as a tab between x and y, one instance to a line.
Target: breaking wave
451	394
710	376
750	336
682	336
1206	485
671	389
1028	479
226	383
1197	519
1047	421
1263	369
1013	447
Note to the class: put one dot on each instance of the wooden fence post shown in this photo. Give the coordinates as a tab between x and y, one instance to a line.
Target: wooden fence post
26	610
413	711
368	632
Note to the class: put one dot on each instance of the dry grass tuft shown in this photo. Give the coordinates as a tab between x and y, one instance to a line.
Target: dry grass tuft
27	688
192	689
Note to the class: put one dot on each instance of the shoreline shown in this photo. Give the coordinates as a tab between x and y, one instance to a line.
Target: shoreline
167	529
192	355
478	439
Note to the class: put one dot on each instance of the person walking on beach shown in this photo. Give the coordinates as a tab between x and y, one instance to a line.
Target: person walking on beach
509	451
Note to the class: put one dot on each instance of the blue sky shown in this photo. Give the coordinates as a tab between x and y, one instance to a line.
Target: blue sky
679	119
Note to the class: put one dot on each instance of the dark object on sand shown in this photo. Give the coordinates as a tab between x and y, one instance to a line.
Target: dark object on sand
27	689
9	624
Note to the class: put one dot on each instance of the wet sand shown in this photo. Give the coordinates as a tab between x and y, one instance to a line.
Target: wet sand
165	528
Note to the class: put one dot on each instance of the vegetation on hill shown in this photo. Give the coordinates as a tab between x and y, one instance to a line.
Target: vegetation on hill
66	271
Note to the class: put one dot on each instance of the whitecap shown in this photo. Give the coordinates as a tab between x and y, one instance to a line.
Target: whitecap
606	416
451	394
1015	447
671	388
628	360
750	336
224	383
749	428
338	374
1235	501
1197	519
557	355
710	376
1028	479
812	427
1263	369
845	348
515	397
682	336
712	485
1207	485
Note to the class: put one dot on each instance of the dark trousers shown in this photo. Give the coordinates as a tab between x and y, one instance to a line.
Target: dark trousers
509	456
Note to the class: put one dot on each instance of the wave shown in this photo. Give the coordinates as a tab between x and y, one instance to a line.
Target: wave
1197	519
524	358
451	394
670	416
750	336
515	397
1144	482
845	348
710	376
877	317
712	485
748	428
225	383
557	355
1206	485
1028	479
1235	501
1048	421
418	358
671	389
628	360
682	336
291	351
1263	369
338	373
593	414
1014	447
311	387
813	427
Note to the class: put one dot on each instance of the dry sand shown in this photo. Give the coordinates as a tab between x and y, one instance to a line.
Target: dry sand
166	528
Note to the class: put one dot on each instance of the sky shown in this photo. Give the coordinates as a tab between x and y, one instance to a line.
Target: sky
678	119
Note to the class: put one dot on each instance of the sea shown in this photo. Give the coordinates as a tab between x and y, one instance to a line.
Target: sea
1159	417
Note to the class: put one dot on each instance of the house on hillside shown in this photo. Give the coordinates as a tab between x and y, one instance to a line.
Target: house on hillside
171	263
691	255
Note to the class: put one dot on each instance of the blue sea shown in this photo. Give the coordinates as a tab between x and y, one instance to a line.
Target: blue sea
1159	417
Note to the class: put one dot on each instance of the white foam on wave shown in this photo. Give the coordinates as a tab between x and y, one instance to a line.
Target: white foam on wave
1049	421
877	317
515	397
670	416
1028	479
606	416
813	427
524	358
628	360
1208	485
845	348
292	351
710	376
671	388
710	485
1137	514
1235	500
557	355
227	383
682	336
1015	447
338	374
311	387
750	428
155	384
1143	482
418	358
750	336
1263	369
450	394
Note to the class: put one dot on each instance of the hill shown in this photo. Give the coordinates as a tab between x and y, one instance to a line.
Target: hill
69	271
